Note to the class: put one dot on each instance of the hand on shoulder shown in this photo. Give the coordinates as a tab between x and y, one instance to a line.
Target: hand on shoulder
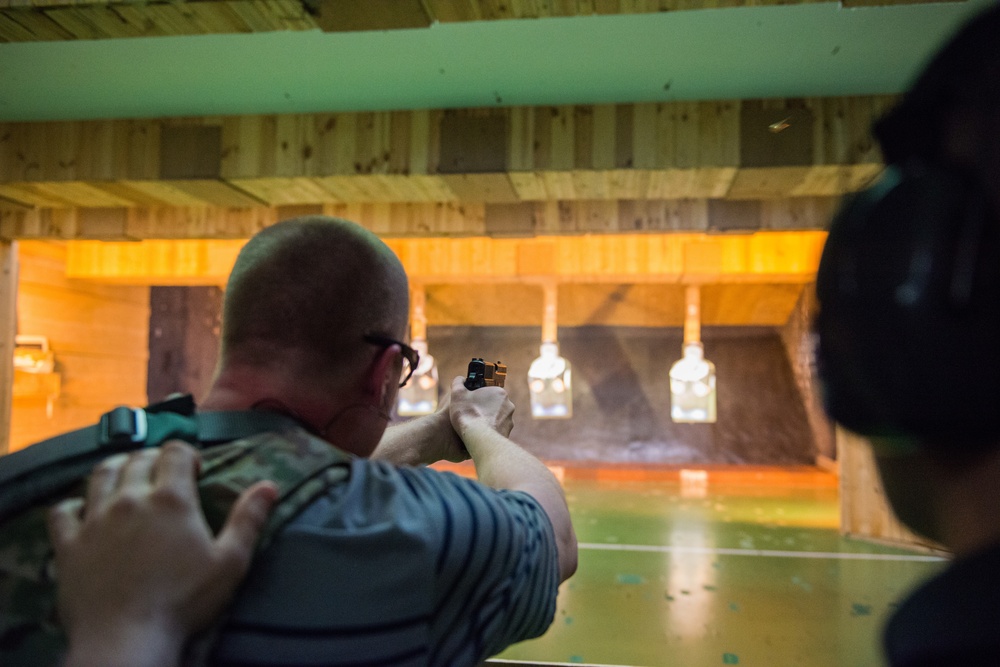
139	570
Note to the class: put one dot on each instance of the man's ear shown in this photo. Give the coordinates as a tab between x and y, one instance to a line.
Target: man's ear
383	375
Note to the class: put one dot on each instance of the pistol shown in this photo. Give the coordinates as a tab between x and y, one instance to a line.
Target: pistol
485	374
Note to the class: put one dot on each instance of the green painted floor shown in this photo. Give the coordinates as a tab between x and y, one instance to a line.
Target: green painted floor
720	576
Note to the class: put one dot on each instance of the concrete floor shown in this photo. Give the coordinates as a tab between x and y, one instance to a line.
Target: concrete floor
695	574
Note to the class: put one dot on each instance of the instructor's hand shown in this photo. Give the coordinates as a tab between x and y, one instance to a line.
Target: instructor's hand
139	570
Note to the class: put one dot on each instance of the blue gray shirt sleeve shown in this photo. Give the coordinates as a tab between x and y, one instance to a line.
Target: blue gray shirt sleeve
496	568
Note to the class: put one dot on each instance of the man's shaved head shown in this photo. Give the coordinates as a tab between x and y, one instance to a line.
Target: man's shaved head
305	291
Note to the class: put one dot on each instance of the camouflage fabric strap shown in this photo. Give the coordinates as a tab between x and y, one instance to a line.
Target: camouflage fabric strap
47	467
302	466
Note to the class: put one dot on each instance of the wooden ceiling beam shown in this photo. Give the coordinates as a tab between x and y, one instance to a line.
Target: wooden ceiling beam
600	304
57	20
427	220
752	149
763	258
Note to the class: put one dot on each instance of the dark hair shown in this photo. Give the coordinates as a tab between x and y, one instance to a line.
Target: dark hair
313	286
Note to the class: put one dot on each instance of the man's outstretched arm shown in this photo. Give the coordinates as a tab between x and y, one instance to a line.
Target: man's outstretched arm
482	419
422	441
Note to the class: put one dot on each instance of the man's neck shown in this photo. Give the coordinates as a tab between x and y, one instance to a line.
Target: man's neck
237	390
241	388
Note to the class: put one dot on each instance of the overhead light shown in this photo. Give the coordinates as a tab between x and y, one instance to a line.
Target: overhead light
420	394
692	378
550	378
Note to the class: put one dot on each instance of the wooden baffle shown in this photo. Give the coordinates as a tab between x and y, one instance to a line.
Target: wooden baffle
865	511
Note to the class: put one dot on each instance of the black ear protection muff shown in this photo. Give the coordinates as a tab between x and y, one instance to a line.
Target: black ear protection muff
909	310
909	281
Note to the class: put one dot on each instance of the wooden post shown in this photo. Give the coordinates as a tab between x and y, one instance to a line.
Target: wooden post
8	329
549	323
692	314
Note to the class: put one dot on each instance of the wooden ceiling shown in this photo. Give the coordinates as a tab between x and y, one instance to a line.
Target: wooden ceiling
457	183
568	175
747	165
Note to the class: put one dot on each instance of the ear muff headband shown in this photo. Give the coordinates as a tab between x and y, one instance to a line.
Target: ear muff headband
909	310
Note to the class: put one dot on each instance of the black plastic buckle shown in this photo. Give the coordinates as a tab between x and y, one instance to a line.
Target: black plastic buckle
123	425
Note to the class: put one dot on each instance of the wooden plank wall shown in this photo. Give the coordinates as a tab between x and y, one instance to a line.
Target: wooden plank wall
99	334
864	509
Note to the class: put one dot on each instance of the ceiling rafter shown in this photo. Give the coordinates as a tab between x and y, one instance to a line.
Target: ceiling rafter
403	220
62	20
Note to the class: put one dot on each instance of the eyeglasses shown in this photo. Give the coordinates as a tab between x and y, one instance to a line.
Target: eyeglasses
410	356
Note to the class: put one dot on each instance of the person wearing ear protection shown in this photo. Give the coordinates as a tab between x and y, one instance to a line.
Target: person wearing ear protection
908	334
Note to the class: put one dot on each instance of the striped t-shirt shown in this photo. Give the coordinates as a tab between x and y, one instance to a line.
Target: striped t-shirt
398	566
